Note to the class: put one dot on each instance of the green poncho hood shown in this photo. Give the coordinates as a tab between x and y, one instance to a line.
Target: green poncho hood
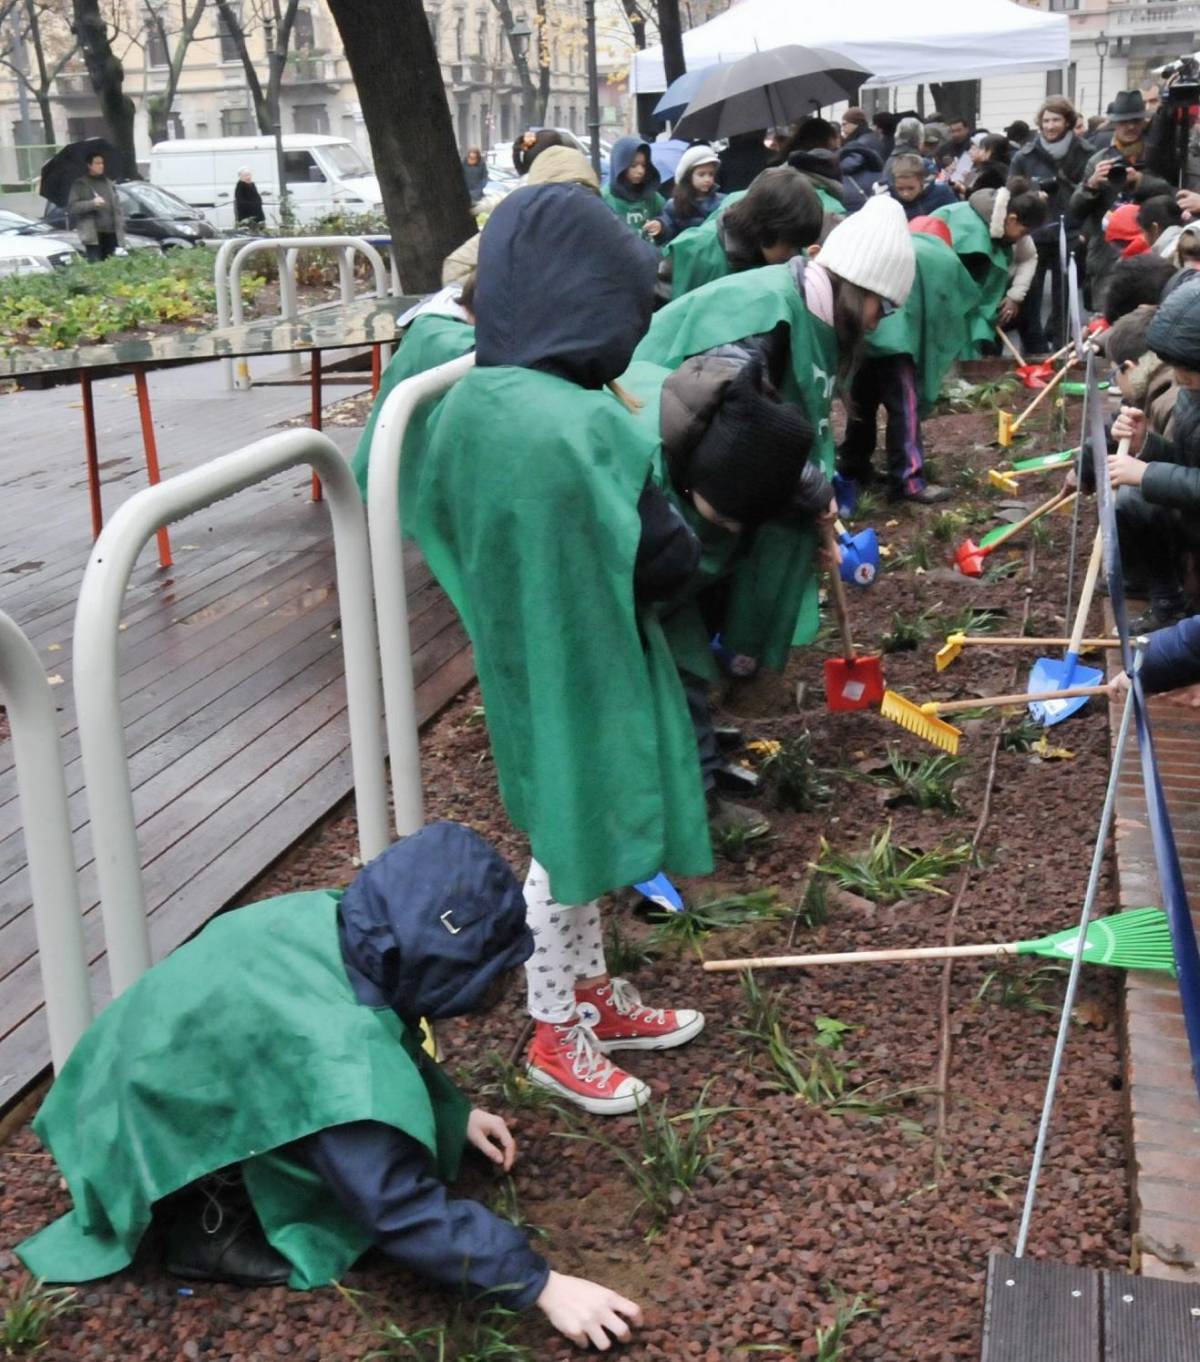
253	1035
773	600
986	260
935	325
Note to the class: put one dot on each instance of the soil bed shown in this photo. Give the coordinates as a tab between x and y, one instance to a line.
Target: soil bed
800	1204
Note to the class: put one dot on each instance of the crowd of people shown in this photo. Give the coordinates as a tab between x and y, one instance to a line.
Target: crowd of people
629	498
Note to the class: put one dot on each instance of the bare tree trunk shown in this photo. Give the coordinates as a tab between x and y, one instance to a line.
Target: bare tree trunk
528	92
285	21
158	106
233	27
637	23
108	79
544	71
45	75
670	32
412	136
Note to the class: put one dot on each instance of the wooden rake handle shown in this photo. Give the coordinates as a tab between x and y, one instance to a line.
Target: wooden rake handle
1041	397
837	593
996	641
987	701
860	957
1057	500
1009	346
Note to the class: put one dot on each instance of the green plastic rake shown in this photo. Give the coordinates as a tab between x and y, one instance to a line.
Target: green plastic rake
1137	939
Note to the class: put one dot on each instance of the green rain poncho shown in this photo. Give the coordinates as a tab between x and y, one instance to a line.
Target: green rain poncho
986	260
246	1038
432	338
936	324
773	597
527	516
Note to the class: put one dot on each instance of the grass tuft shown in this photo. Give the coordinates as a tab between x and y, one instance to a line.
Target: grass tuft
794	780
928	783
886	872
483	1335
30	1309
691	927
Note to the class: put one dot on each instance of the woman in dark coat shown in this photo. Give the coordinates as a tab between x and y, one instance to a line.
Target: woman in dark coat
247	201
475	172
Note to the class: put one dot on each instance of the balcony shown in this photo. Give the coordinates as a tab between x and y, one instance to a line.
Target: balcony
470	73
1159	16
305	69
74	85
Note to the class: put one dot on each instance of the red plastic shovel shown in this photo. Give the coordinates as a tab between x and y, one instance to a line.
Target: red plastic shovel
851	682
969	556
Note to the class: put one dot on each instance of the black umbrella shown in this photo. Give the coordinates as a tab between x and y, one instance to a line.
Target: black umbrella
61	171
769	90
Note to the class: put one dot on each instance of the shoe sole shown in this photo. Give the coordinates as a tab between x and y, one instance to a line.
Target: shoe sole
597	1106
680	1037
189	1274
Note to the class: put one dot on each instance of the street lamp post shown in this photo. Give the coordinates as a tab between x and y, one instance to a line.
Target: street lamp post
274	88
519	37
1101	46
593	77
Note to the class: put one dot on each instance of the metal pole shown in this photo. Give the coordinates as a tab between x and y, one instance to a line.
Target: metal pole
1064	1023
274	86
593	77
1100	87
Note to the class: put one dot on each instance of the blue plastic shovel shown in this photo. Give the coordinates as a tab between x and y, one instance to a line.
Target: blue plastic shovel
1049	674
860	556
662	893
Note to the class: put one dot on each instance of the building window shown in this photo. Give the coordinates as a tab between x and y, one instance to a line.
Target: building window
483	40
156	44
311	118
506	123
300	168
435	24
229	47
1064	4
304	38
460	38
237	123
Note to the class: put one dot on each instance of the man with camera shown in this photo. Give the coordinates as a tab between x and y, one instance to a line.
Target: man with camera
1113	175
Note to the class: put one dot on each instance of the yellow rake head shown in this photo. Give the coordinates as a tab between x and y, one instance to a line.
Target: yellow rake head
948	651
1004	434
919	721
1003	479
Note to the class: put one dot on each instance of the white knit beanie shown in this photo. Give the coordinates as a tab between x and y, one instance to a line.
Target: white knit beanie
873	249
693	157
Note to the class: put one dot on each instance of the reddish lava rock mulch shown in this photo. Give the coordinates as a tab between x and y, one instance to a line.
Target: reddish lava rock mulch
799	1202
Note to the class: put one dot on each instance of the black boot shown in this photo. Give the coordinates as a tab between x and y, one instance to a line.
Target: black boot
215	1236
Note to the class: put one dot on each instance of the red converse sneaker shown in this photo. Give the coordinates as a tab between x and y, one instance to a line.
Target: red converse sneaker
567	1060
621	1021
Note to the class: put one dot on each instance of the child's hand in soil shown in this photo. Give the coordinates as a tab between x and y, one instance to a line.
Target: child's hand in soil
1131	425
586	1311
492	1138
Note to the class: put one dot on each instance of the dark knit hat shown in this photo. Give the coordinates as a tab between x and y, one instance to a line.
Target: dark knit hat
749	462
1127	339
1174	334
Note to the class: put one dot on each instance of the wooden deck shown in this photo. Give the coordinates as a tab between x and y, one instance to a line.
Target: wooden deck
232	685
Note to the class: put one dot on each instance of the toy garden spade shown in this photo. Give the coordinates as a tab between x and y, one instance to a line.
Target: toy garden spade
1050	674
969	556
851	682
860	556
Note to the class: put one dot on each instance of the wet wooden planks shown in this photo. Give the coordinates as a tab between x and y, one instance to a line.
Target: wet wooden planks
233	702
1043	1311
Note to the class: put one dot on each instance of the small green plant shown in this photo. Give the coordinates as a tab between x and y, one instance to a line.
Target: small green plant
764	1008
506	1203
475	717
964	396
916	555
948	526
691	927
1011	986
869	506
1039	533
928	783
969	478
734	841
506	1082
814	907
1021	735
29	1310
907	633
625	954
969	620
886	872
831	1338
673	1153
483	1335
996	571
792	776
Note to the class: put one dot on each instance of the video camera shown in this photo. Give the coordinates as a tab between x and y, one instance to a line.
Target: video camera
1184	75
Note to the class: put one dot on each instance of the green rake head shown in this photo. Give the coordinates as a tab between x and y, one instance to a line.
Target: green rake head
1138	939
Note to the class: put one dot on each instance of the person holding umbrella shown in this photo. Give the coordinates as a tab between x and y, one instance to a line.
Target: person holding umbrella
95	212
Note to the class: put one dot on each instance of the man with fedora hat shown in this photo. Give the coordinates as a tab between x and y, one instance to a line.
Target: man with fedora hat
1113	175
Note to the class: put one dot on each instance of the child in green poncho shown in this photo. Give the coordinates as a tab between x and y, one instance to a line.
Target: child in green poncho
632	189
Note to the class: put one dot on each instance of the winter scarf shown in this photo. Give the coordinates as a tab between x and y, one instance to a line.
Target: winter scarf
1057	151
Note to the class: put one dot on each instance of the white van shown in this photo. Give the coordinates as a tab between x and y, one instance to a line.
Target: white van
323	174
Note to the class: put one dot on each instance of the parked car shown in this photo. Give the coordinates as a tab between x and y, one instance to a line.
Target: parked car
151	212
17	224
322	175
22	254
500	157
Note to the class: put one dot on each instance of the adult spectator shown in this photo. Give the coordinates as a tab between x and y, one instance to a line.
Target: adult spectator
475	172
1017	133
247	201
746	156
908	141
94	211
1138	281
1152	95
958	145
812	151
857	133
1112	175
885	124
989	162
1095	132
1055	161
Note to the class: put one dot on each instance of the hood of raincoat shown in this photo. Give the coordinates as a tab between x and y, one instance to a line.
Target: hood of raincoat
1174	334
857	157
822	168
624	149
564	286
432	922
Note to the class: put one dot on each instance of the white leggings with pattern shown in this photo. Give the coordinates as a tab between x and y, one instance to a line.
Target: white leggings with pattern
567	946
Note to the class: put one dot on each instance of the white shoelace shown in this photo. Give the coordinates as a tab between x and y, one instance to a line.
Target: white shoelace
588	1064
628	1002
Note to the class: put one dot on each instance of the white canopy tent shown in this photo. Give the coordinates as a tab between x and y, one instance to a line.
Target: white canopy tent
904	43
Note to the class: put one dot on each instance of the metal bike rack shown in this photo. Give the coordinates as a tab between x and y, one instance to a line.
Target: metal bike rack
227	279
46	823
391	601
97	682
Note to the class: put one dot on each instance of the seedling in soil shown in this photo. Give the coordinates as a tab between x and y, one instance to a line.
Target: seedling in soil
907	633
508	1085
1011	986
506	1203
690	928
949	526
29	1311
673	1153
831	1339
764	1008
1039	534
870	505
886	872
467	1336
998	572
929	784
793	778
971	621
916	555
1021	736
476	716
625	954
814	908
736	841
964	396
